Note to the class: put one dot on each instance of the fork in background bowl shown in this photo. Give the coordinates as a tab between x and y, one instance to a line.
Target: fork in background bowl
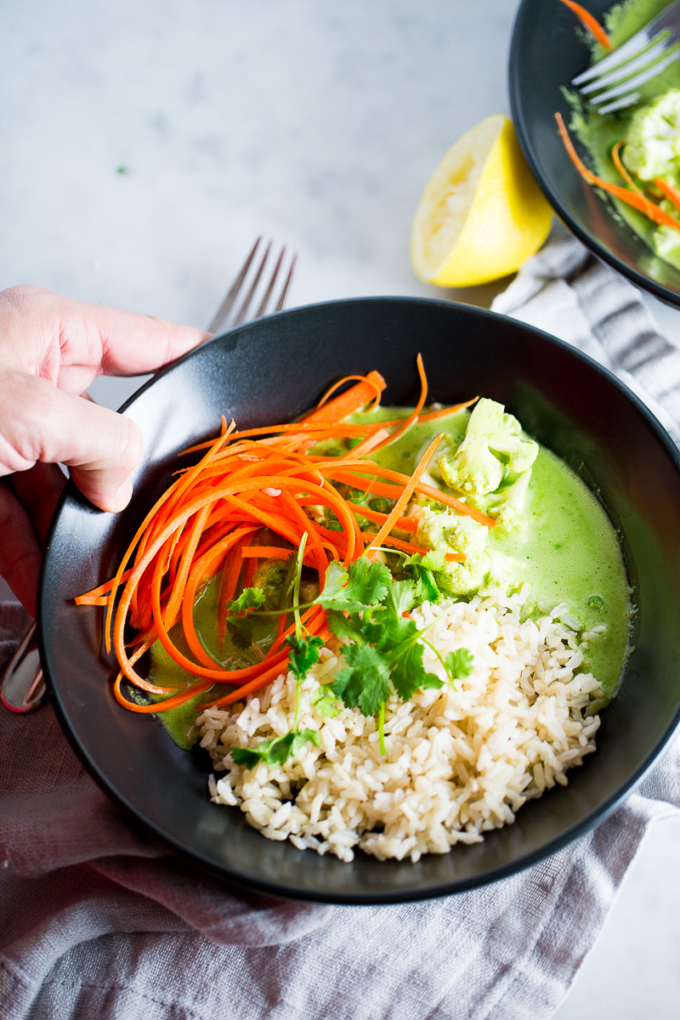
615	79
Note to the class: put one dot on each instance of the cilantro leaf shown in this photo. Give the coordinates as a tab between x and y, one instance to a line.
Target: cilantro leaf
424	568
431	680
304	653
335	581
275	750
241	631
390	628
250	598
459	664
408	672
326	702
435	559
401	596
345	627
387	631
369	580
363	586
300	738
365	683
239	621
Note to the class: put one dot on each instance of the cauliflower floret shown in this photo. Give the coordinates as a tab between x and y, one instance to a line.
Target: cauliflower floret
447	531
653	141
492	466
666	240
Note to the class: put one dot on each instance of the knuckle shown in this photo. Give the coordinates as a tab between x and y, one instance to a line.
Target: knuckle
132	443
22	409
20	297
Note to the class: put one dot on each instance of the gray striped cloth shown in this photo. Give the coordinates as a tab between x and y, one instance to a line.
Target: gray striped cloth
98	922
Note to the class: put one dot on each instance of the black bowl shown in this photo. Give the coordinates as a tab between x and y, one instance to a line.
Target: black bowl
271	371
545	54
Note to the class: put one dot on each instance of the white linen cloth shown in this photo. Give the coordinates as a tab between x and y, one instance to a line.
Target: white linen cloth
98	921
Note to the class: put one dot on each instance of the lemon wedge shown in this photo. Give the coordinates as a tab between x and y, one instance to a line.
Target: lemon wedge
482	214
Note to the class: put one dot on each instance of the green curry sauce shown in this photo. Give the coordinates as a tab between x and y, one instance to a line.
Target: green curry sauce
566	551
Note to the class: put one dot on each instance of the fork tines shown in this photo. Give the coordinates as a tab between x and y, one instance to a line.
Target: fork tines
256	282
613	82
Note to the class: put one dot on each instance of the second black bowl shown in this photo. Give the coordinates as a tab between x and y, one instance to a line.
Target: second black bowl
272	370
545	54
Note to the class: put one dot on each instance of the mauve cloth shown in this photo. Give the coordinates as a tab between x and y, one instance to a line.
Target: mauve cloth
99	921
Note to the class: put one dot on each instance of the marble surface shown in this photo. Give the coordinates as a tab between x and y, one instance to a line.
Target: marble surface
316	124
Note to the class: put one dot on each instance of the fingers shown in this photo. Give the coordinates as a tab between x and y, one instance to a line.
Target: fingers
20	554
39	422
38	491
70	342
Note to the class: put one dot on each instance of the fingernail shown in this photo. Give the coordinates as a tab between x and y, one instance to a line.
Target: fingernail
121	496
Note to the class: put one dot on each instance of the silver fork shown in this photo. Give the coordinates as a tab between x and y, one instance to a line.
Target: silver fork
222	314
612	83
22	686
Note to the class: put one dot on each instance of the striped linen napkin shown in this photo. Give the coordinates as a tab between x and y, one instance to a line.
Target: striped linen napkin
98	921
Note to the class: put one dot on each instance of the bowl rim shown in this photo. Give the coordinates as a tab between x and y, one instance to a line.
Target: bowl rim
519	120
234	877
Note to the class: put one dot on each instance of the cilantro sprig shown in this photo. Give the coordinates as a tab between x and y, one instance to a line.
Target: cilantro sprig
276	750
424	569
240	621
362	587
370	610
458	664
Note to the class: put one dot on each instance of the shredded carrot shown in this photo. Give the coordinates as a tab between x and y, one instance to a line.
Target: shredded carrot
404	523
407	422
442	412
231	572
410	547
377	389
212	522
269	552
349	402
671	193
393	491
591	23
159	706
639	202
367	444
99	592
445	411
409	488
622	170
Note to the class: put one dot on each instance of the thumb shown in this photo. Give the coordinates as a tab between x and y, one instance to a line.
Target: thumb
39	422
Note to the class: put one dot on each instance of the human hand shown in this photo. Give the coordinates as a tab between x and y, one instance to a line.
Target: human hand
51	348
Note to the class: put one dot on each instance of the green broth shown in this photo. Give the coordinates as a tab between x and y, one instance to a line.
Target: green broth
566	551
165	672
569	552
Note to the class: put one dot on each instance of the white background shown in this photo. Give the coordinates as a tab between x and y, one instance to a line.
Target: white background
314	123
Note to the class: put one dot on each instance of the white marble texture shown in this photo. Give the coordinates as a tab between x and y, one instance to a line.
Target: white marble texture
311	122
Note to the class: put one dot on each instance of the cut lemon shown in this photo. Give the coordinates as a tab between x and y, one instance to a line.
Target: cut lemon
482	214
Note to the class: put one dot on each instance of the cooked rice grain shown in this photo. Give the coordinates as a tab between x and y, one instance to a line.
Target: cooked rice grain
458	762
